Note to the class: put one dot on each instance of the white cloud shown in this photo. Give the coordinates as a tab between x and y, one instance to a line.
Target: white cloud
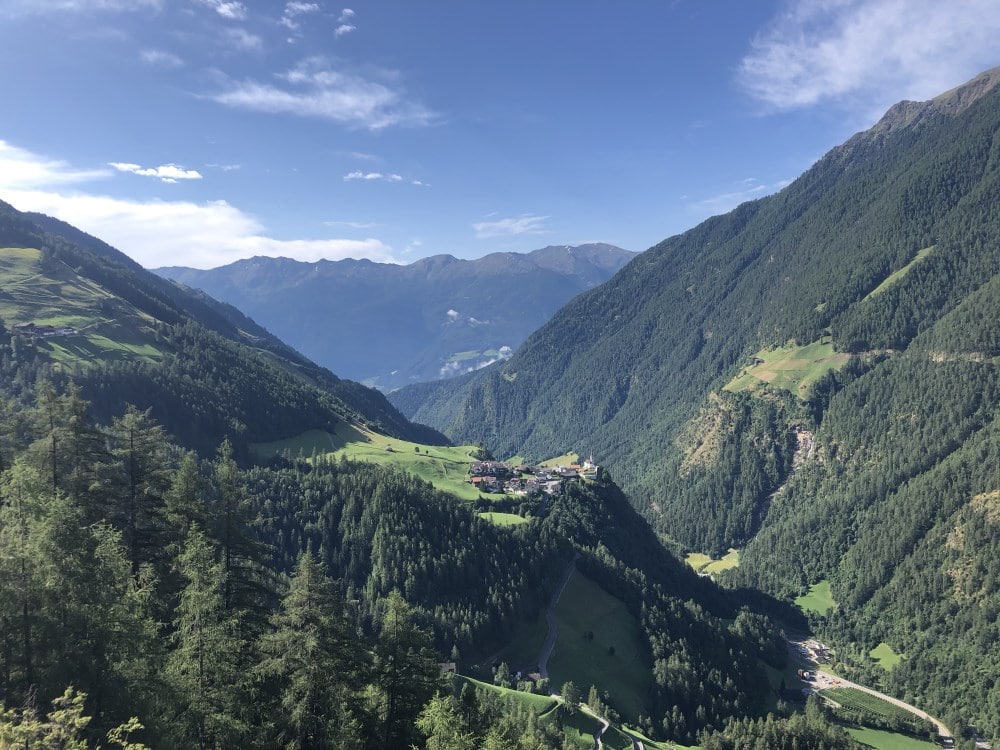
158	233
20	169
523	224
344	28
351	224
161	58
242	40
314	89
297	8
450	369
453	315
231	9
165	172
376	177
869	53
293	10
345	15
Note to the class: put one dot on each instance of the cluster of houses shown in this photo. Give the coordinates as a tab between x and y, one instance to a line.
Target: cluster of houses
32	330
522	480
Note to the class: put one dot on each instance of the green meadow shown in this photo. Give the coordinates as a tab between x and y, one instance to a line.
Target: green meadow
600	643
703	563
447	468
882	740
897	275
886	657
106	329
819	599
791	368
504	519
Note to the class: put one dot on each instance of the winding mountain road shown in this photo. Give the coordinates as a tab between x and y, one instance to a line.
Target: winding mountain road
828	681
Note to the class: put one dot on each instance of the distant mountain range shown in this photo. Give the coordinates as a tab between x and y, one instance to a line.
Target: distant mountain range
391	325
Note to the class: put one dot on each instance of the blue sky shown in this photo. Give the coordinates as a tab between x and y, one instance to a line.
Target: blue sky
197	132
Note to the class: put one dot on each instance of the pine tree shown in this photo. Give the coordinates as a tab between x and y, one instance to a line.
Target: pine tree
315	661
204	667
141	481
406	671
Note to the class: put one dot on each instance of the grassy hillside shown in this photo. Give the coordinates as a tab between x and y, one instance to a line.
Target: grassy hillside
600	643
447	468
790	368
104	328
127	336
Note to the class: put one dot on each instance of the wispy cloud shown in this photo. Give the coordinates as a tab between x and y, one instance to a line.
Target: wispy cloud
165	173
158	233
315	89
351	224
372	176
241	40
21	169
161	58
749	189
523	224
231	9
345	23
381	177
295	9
868	54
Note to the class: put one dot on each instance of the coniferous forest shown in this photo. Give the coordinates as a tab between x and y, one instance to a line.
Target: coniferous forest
163	585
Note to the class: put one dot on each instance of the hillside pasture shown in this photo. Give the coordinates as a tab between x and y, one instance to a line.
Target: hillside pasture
504	519
791	368
886	657
702	563
447	468
882	740
600	643
895	276
819	599
106	329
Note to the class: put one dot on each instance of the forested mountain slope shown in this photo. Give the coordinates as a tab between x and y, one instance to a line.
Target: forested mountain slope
128	336
156	584
392	325
814	376
626	371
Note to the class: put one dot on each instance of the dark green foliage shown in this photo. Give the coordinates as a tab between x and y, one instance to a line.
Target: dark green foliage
624	371
810	730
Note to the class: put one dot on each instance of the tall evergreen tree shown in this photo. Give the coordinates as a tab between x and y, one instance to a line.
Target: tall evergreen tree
406	671
316	663
204	667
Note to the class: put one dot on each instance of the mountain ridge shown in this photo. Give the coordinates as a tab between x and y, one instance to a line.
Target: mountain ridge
882	261
389	324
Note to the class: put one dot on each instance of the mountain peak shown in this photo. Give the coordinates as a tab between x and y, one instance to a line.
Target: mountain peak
952	102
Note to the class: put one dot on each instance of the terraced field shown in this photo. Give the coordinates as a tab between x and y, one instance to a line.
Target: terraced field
104	327
791	368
